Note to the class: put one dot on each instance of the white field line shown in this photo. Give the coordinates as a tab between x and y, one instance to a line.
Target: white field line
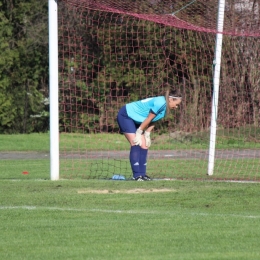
129	211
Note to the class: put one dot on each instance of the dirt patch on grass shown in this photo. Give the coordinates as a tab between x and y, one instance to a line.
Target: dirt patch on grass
132	191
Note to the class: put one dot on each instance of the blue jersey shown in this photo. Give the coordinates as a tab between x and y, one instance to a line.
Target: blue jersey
139	110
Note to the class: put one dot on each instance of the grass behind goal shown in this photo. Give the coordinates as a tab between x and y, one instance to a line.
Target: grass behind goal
105	169
94	156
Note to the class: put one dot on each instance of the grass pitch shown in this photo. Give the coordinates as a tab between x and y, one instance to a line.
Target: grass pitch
76	219
126	220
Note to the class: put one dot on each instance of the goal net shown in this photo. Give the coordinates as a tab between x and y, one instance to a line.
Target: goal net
112	52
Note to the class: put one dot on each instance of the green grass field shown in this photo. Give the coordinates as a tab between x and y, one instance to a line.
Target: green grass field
104	219
76	219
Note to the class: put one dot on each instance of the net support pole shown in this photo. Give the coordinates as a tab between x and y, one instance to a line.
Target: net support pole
53	89
216	80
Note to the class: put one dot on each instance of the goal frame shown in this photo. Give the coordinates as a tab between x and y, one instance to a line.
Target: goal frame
216	80
54	87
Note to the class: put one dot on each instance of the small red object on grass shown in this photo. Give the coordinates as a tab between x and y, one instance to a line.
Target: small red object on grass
25	172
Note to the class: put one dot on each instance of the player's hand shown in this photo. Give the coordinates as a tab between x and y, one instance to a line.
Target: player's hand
147	137
138	137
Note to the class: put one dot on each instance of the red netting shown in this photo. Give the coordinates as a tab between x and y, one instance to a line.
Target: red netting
241	16
113	52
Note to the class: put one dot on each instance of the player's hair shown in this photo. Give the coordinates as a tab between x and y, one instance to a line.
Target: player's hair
170	92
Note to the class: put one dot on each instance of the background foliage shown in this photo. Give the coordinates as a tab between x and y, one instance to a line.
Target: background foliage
108	59
23	66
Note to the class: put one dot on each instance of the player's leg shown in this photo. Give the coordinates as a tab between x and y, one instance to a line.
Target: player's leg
128	128
136	157
138	154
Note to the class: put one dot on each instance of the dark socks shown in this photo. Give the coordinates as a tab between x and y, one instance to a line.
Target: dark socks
143	161
138	158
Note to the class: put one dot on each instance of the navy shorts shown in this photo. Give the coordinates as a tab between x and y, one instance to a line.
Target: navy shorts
126	124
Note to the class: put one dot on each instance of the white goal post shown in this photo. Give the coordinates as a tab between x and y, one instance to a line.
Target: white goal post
216	80
54	89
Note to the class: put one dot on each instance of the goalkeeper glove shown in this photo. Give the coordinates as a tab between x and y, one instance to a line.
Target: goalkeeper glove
147	139
138	137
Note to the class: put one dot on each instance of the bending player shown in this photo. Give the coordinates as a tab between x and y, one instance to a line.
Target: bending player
136	121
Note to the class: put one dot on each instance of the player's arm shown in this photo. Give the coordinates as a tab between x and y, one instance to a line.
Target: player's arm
146	124
149	126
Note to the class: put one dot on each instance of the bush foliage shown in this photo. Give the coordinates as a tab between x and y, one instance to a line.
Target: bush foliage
114	59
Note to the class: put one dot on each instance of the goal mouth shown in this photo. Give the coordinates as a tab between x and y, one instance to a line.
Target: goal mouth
115	52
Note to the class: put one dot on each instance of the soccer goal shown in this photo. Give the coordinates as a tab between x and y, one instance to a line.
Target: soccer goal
112	52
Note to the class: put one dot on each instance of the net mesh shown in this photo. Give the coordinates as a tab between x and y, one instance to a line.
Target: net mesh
115	52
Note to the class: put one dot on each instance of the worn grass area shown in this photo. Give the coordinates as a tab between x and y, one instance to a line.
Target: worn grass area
40	219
